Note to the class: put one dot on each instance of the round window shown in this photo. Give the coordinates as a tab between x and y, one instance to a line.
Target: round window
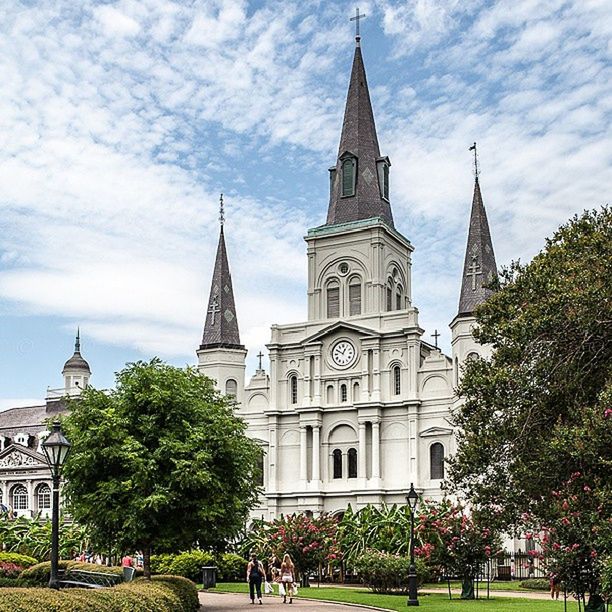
343	267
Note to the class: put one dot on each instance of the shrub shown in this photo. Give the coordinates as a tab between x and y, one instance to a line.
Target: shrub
160	564
22	560
387	573
164	594
537	584
41	572
232	568
189	564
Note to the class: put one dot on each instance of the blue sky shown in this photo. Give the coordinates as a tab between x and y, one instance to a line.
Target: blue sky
120	123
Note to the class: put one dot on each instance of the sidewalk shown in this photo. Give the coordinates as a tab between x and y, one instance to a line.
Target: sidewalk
225	602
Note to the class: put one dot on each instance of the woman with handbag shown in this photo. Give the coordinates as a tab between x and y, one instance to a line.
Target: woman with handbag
287	577
255	575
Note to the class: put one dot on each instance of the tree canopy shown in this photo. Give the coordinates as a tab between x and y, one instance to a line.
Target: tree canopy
160	462
538	410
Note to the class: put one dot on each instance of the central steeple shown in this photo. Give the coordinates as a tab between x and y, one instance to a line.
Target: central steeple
359	182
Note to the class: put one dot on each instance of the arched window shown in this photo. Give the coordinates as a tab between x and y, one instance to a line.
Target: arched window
456	371
330	394
43	497
260	468
231	387
20	497
343	393
352	463
436	461
398	297
385	189
397	380
355	392
333	300
472	356
348	176
389	295
355	296
293	390
337	458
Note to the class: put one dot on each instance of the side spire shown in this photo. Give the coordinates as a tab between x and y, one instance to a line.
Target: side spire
479	267
77	343
221	326
359	182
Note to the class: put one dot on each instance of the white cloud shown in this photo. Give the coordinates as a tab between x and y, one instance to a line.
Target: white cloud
115	22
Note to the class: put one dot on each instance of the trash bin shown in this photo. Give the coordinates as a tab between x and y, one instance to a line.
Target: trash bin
305	580
209	576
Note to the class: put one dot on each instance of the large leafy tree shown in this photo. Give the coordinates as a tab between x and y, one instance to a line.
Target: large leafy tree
538	411
159	462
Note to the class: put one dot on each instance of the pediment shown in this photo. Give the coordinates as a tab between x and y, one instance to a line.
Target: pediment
346	154
15	456
436	432
341	326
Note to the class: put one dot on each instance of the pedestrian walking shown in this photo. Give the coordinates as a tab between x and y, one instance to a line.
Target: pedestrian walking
287	577
255	574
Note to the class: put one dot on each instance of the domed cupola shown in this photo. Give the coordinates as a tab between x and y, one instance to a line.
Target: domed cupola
76	370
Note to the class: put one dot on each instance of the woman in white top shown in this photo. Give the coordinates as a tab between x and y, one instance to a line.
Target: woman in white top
287	577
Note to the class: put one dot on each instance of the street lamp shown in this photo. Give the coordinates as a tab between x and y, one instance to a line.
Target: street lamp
56	449
412	498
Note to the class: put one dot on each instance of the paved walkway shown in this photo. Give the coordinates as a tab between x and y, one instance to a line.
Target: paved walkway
225	602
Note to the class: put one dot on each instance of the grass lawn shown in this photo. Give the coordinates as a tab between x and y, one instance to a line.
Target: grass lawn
482	586
433	603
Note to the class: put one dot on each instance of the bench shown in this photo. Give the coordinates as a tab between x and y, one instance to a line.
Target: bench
84	579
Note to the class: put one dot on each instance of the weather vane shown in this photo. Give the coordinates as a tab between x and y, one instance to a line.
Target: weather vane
356	19
221	211
476	170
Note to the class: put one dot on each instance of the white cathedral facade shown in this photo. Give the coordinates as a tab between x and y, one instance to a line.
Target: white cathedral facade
356	405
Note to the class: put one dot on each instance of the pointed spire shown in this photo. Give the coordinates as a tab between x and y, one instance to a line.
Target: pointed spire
221	326
479	267
77	342
367	196
76	362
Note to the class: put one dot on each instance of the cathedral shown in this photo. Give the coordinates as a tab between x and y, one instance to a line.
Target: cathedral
356	405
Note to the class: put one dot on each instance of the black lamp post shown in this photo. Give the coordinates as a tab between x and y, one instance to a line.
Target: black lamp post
412	498
56	449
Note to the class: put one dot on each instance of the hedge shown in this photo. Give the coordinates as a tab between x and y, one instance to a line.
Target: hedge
386	573
164	594
232	568
537	584
186	564
41	572
22	560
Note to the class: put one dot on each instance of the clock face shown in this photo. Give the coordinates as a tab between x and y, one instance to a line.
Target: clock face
343	353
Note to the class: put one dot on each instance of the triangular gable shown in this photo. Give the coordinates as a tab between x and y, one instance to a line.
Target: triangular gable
435	432
16	455
362	331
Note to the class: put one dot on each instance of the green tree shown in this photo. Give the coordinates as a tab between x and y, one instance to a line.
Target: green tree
159	462
538	412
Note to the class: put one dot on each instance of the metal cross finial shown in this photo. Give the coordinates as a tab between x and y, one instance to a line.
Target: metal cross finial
356	18
476	171
77	344
260	355
435	336
221	211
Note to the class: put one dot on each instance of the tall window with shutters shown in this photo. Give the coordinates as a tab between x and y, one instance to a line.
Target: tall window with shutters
343	393
333	300
355	296
389	295
352	463
398	297
348	176
397	380
231	387
436	461
337	461
293	389
20	497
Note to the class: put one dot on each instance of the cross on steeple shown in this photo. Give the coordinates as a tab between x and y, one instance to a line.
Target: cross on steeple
221	211
435	336
474	270
214	308
260	356
476	171
356	19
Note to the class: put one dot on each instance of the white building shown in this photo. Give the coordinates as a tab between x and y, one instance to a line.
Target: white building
356	405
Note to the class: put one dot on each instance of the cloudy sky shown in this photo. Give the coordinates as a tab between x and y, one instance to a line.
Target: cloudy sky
120	123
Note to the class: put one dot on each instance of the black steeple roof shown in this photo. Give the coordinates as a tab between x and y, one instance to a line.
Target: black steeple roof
359	140
479	267
76	362
221	327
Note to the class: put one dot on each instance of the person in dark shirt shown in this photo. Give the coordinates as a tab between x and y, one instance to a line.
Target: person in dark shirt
255	574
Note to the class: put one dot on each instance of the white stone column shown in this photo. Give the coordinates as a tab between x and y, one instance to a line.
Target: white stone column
316	453
361	460
375	449
272	483
31	506
317	381
5	493
303	455
376	377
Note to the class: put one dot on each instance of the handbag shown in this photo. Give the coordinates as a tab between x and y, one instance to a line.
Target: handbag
281	589
267	587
